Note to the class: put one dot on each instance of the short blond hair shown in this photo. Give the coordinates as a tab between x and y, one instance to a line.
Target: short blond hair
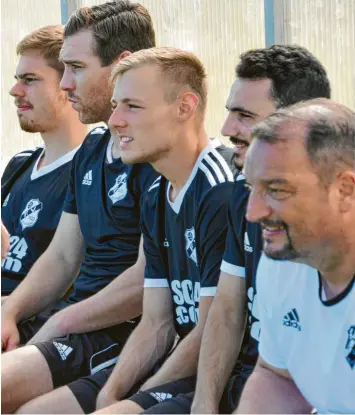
48	40
179	67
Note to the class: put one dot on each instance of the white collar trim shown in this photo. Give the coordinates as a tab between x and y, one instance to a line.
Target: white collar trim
36	173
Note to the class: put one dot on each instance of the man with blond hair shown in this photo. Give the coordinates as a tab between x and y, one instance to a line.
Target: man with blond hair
98	236
34	183
183	221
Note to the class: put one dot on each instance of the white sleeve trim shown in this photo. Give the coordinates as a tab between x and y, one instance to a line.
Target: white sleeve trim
232	269
156	283
208	291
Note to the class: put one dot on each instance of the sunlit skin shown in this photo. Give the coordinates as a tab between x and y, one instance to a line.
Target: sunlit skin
248	103
299	216
41	104
85	80
145	123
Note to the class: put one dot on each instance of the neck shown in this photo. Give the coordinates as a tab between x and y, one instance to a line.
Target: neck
338	270
63	139
176	166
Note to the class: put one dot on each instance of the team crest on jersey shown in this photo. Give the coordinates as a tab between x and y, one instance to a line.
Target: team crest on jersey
30	214
350	347
119	190
191	244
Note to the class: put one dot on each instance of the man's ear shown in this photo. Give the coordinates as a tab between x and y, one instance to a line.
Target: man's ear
188	105
346	189
123	55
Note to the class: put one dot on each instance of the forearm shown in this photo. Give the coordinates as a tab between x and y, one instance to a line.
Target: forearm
47	282
269	392
119	301
145	347
220	347
187	352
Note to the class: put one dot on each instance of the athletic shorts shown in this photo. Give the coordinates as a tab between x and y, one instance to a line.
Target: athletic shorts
77	355
176	397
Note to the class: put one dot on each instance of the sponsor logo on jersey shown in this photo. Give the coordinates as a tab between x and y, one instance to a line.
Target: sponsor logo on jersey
160	396
63	350
291	319
6	201
350	347
247	246
119	190
166	243
87	180
190	245
186	297
30	214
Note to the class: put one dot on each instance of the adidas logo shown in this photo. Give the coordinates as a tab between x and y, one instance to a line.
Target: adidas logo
160	396
63	350
247	246
87	180
292	319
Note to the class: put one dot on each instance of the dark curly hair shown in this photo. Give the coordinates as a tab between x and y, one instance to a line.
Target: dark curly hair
296	74
116	26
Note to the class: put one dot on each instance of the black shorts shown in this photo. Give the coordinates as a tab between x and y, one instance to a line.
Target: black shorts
87	388
176	398
77	355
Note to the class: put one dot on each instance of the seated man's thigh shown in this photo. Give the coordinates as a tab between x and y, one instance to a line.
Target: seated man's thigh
77	355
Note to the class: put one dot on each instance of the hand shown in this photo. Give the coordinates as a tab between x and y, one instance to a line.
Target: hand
52	329
10	336
5	241
105	398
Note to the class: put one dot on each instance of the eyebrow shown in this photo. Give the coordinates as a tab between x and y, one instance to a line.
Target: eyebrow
70	61
275	181
23	75
126	100
241	109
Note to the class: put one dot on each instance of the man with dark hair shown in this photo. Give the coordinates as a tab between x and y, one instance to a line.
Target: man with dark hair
307	342
295	75
97	239
34	183
266	80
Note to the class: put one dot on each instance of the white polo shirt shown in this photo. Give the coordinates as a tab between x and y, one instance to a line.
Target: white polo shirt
314	339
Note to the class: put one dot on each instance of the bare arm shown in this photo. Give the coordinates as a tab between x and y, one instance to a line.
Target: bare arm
119	301
149	342
5	241
272	390
187	352
221	343
52	273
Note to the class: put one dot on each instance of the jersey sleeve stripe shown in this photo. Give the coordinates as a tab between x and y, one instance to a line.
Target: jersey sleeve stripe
208	291
232	269
23	155
156	283
224	166
217	170
208	174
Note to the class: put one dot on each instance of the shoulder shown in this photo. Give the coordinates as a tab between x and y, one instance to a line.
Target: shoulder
93	143
21	159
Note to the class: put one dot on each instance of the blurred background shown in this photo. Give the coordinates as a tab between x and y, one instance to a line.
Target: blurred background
218	31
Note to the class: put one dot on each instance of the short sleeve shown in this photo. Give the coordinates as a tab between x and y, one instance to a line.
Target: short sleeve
70	199
269	348
155	275
211	232
233	262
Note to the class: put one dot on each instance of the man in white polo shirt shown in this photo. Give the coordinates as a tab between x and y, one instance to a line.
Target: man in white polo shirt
301	172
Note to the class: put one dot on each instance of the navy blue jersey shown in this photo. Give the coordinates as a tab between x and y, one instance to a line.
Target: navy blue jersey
184	240
106	195
241	258
31	212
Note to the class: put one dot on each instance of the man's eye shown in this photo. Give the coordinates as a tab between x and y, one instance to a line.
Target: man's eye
29	81
279	193
131	106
